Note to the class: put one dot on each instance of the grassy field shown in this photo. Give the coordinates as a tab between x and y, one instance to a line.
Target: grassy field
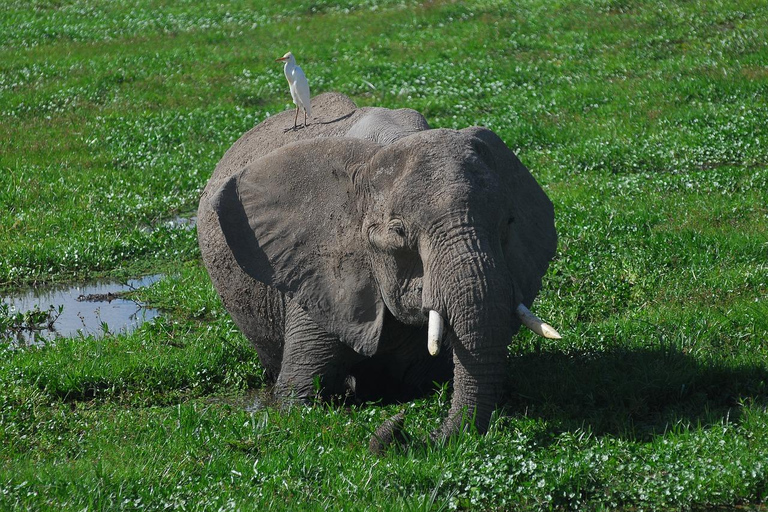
645	122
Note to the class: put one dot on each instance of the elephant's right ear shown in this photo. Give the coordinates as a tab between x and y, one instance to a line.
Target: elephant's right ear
291	220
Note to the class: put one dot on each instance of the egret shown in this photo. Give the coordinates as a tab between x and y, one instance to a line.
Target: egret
299	86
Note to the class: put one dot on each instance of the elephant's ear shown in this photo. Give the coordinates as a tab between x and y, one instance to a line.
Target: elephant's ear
291	221
532	238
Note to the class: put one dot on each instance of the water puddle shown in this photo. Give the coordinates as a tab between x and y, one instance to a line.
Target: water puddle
253	401
178	222
90	309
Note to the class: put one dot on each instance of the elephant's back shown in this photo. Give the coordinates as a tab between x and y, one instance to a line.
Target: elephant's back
386	126
333	113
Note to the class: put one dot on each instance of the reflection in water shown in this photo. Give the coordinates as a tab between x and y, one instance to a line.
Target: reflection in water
88	309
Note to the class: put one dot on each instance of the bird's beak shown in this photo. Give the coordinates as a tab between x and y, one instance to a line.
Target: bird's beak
281	58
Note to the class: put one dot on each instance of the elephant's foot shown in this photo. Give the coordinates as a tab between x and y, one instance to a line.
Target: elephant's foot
463	420
390	432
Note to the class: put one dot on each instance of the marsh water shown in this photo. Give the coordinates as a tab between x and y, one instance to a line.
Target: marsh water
88	308
178	222
91	308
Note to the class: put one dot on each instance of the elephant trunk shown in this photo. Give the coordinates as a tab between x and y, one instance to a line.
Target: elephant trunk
480	372
478	300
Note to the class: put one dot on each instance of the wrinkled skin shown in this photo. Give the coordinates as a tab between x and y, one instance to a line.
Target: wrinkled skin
328	246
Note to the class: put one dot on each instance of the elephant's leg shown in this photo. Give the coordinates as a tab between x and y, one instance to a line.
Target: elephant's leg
314	361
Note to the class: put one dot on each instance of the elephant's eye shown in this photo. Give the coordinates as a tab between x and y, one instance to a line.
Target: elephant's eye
397	227
389	237
510	220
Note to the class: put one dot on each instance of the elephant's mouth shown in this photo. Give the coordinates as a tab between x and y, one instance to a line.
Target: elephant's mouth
406	305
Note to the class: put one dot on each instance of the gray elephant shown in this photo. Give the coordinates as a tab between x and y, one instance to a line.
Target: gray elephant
341	248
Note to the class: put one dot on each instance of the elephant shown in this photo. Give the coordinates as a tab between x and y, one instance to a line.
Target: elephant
340	248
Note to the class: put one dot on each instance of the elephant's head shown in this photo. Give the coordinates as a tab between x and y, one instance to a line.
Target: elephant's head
440	224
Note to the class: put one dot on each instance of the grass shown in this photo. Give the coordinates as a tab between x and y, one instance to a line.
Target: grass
643	120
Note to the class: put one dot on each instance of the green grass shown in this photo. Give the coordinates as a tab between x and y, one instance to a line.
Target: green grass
643	120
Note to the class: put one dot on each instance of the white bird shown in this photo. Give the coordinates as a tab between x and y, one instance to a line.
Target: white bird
299	86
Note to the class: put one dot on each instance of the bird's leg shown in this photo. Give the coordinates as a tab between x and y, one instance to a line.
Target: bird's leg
305	119
295	119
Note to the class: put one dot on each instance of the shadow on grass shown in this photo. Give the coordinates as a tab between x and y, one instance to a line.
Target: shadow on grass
633	394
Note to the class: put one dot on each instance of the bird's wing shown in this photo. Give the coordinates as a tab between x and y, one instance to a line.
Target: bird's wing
294	94
298	74
301	86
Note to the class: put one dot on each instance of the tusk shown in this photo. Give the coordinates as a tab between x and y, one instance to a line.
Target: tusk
536	324
435	332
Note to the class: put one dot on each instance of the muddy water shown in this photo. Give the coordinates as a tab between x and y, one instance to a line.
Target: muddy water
87	309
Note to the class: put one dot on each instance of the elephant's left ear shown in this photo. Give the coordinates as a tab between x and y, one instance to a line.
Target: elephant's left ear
532	238
291	221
